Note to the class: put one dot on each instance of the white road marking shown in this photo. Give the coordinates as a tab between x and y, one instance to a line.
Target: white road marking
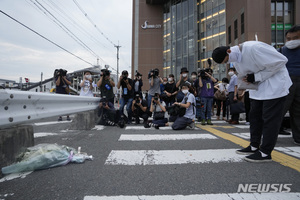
144	137
50	123
13	176
43	134
247	135
293	151
169	157
221	196
99	127
242	126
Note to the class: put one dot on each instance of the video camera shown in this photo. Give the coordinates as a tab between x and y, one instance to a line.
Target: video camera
105	72
60	72
124	75
153	73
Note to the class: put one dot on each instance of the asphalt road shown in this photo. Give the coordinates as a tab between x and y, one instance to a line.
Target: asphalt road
161	165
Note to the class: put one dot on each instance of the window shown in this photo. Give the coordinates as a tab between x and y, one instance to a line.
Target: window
235	29
242	23
229	34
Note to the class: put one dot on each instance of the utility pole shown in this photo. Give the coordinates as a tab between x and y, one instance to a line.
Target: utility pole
118	47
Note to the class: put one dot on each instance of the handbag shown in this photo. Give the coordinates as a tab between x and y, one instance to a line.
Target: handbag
236	108
159	115
220	95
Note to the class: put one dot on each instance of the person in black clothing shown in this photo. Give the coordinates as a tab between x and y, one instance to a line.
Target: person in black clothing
139	109
170	90
127	94
106	84
138	83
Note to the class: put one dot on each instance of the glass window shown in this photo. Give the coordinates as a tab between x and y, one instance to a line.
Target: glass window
184	9
185	61
242	23
179	29
191	7
279	11
235	29
178	14
209	5
191	62
229	34
273	12
222	18
178	47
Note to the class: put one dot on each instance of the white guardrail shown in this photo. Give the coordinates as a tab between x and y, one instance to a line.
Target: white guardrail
17	107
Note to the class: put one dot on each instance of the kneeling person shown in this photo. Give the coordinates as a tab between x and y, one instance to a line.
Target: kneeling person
158	108
139	109
188	103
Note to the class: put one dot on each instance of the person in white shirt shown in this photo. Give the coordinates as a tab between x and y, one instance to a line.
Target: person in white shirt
262	65
87	85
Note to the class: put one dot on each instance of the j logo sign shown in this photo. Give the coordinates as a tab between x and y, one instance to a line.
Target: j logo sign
146	25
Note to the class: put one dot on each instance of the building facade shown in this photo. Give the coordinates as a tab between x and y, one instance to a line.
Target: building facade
171	34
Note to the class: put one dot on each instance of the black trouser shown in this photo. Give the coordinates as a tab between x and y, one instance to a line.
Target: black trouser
247	105
234	117
137	113
219	106
265	121
293	105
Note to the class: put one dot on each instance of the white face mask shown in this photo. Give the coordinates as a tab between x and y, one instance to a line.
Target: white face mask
185	91
292	44
184	75
88	76
235	55
193	77
230	73
170	79
165	83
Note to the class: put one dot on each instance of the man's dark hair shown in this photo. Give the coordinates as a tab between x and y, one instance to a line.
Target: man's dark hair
195	73
219	54
171	75
293	29
225	80
232	68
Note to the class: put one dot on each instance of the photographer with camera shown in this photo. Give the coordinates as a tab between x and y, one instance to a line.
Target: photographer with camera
139	109
154	81
107	113
106	85
127	94
138	83
184	77
206	84
86	85
158	108
186	111
62	85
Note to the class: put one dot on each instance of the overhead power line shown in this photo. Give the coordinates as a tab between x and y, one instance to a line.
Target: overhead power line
86	15
45	38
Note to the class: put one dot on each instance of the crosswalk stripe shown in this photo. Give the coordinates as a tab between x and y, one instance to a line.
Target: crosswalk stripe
247	135
169	157
138	137
293	151
277	156
221	196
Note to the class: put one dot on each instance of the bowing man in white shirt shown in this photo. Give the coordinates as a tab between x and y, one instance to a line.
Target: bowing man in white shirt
261	64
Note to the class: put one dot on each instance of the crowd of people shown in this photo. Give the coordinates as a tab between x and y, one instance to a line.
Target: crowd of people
261	80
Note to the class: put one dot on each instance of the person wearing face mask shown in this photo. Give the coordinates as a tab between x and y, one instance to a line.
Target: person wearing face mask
188	103
163	84
170	90
86	85
184	77
138	83
292	51
262	64
232	94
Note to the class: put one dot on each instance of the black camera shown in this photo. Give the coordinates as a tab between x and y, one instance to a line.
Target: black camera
137	73
137	98
60	72
124	75
153	73
105	72
201	73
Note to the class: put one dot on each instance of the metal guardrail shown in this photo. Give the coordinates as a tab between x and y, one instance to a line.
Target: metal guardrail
17	107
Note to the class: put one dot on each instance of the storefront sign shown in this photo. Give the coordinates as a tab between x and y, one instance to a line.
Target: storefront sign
146	25
280	26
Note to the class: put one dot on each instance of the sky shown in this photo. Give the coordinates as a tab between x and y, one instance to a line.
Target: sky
88	29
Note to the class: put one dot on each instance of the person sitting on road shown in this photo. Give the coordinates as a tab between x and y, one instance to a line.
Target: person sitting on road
188	106
139	109
158	108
